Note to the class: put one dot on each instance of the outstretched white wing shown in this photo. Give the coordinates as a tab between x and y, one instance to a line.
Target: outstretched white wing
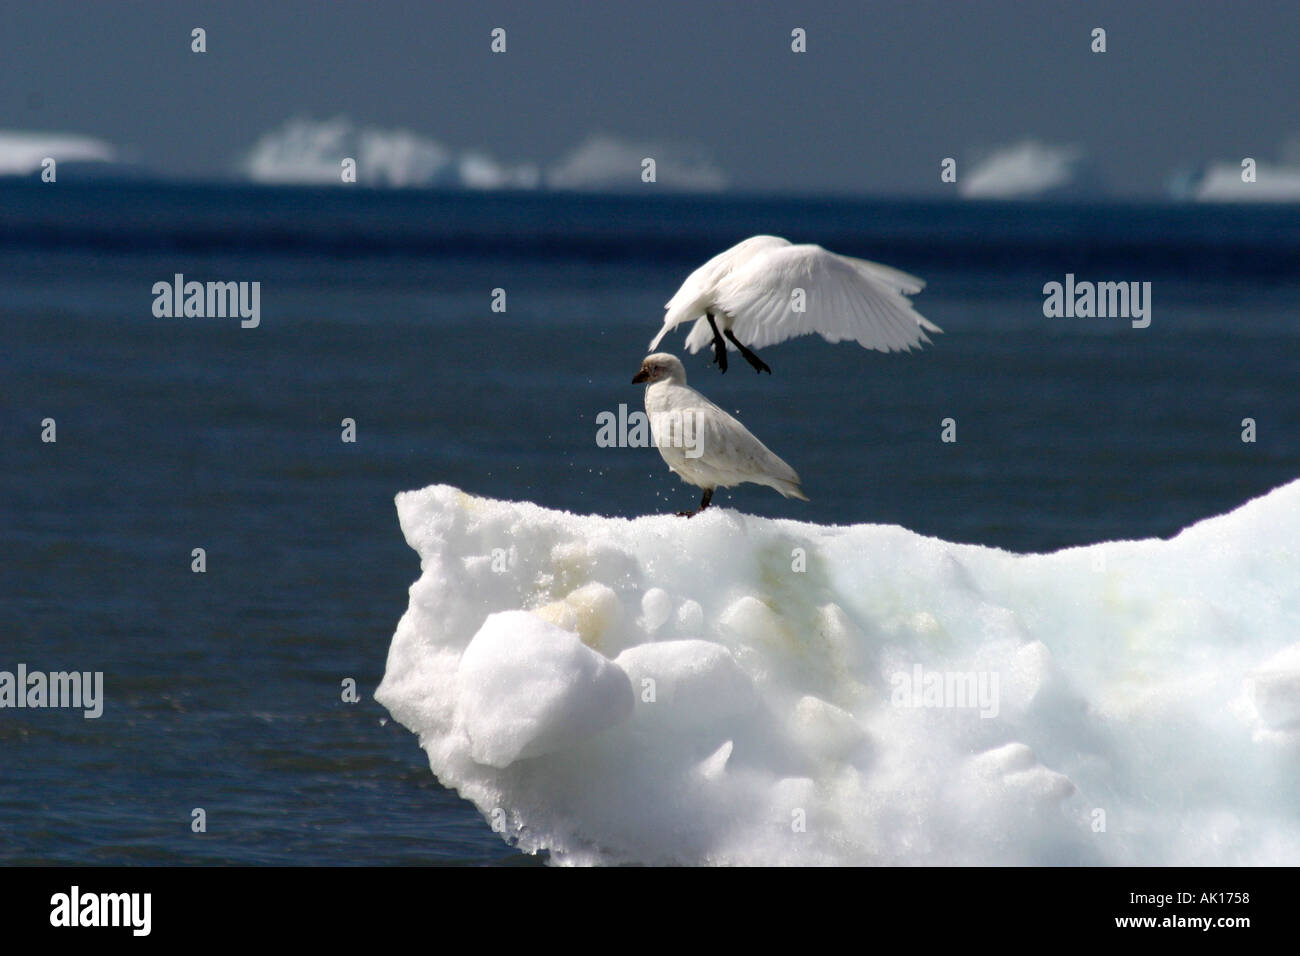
797	290
693	298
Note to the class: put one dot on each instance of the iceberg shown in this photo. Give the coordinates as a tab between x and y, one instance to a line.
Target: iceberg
1274	182
1025	170
748	691
604	163
21	153
477	170
308	152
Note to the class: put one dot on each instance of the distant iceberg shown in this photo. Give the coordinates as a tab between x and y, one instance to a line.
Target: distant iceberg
21	153
1221	182
1024	170
310	152
608	164
737	690
479	171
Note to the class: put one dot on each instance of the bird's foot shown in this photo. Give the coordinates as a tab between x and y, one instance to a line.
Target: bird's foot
687	514
720	354
719	345
759	365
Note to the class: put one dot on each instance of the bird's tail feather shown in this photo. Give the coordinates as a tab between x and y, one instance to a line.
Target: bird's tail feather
789	488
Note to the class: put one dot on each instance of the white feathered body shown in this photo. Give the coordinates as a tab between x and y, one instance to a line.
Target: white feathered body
683	422
766	291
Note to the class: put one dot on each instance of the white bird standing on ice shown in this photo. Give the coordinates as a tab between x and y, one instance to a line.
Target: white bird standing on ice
765	290
704	445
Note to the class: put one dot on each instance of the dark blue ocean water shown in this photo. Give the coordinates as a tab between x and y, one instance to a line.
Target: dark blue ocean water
223	688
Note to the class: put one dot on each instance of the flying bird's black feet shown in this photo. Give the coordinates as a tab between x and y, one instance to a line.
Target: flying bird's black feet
759	365
719	346
704	503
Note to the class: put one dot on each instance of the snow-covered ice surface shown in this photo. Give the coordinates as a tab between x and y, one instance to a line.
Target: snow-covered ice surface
664	690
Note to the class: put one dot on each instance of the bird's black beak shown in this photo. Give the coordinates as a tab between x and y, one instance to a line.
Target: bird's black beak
641	376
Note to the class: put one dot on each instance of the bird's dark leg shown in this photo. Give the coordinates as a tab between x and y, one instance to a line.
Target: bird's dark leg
719	346
750	357
704	503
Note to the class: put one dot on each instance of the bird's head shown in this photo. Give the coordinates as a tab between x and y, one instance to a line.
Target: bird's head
661	367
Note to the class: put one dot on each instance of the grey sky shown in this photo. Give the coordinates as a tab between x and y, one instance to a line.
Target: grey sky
885	90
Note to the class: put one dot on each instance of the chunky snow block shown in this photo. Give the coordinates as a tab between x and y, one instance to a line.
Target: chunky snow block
738	690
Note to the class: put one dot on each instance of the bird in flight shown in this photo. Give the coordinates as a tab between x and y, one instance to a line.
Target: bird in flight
701	443
764	290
